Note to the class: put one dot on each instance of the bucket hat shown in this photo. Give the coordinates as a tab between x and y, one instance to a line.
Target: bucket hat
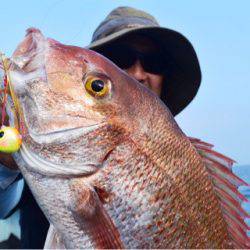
182	84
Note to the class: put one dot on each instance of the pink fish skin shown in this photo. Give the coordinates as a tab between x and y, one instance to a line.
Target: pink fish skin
108	164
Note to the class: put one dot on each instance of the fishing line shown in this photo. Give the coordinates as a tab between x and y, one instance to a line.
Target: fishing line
10	138
8	86
4	101
4	90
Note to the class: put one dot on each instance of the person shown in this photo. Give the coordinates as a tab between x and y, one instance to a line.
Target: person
161	59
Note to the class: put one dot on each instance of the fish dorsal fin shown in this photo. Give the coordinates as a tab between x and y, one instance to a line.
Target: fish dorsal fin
226	185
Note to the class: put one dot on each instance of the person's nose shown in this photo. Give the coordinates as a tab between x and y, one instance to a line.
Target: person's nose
137	71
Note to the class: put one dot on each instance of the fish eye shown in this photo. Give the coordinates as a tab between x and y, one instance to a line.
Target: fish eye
97	87
1	134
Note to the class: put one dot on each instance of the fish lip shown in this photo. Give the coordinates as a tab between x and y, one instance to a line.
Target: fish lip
63	135
35	163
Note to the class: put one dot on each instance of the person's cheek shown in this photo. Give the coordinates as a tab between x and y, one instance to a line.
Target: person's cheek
156	82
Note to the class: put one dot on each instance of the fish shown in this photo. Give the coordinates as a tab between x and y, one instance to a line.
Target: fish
106	161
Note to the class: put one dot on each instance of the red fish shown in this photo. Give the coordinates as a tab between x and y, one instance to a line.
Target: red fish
107	162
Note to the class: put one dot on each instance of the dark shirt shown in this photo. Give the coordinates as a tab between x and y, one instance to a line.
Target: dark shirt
16	195
33	223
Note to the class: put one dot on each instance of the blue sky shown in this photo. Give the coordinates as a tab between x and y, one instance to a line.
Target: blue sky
219	31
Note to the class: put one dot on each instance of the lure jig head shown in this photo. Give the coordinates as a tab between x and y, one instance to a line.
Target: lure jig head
10	140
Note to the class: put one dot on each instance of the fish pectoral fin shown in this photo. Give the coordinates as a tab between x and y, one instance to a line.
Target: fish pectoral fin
226	185
89	213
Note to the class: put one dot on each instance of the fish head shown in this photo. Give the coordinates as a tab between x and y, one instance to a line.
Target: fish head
73	104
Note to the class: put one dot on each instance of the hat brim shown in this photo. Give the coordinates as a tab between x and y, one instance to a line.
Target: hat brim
183	83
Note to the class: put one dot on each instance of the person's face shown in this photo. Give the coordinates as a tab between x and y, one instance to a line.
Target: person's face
150	80
140	58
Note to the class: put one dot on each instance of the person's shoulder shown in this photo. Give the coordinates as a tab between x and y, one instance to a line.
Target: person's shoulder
7	176
10	196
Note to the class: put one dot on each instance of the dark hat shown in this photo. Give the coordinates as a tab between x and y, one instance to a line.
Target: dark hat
182	84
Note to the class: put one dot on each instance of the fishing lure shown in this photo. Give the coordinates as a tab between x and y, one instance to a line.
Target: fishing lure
10	138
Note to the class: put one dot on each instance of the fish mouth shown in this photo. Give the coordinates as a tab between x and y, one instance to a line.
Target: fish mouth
63	135
33	162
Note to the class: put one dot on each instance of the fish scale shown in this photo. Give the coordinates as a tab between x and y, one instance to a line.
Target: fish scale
111	168
131	186
59	199
135	199
192	192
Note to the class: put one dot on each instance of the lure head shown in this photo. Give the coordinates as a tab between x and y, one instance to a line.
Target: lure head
10	140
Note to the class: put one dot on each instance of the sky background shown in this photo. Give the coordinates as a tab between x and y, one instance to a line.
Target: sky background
218	30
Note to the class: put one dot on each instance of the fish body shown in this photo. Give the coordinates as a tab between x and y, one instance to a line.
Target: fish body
108	164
